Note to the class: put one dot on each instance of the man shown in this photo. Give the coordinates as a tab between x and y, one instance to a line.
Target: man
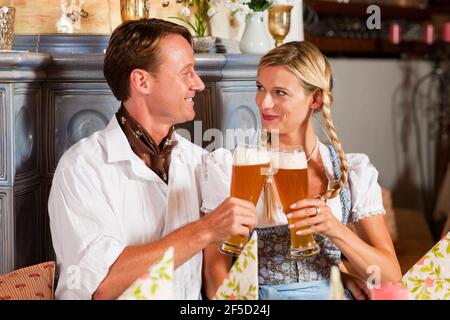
122	196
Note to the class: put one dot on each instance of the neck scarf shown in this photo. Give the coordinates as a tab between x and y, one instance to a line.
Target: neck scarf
156	157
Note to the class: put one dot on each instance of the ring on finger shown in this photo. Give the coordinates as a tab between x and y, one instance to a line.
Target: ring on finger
317	210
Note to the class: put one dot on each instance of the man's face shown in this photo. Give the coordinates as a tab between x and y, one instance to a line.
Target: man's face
175	84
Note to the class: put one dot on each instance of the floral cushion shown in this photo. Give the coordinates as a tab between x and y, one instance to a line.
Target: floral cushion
30	283
242	281
429	278
156	284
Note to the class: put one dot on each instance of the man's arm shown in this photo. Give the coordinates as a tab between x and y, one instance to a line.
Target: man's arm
233	216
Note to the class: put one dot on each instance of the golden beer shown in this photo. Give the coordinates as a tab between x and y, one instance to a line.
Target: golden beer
291	179
247	181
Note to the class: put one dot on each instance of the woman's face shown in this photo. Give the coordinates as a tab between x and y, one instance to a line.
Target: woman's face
282	100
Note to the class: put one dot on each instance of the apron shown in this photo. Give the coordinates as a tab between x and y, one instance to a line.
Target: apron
280	276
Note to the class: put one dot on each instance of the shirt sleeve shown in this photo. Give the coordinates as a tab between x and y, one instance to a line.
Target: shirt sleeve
364	188
215	178
85	232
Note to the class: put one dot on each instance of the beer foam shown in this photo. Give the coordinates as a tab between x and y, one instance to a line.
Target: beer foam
285	160
250	156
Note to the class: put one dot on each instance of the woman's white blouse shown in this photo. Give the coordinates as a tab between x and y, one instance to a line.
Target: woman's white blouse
365	192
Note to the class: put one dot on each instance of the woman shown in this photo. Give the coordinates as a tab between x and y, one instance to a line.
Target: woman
293	82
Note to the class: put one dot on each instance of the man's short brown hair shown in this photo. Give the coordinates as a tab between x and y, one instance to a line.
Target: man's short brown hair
134	44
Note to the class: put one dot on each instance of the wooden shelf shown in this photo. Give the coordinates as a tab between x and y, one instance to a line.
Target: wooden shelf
359	10
371	47
376	47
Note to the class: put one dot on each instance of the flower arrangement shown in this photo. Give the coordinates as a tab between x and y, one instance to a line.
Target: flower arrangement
247	6
203	11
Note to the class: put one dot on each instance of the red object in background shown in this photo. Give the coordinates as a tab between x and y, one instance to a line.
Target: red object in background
395	33
446	32
428	34
390	291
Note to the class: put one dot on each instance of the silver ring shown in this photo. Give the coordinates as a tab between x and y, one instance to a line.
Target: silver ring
317	210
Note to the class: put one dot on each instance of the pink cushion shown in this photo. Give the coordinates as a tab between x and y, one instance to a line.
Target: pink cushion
30	283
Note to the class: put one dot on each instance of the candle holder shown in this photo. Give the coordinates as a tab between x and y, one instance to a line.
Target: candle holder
279	22
134	9
7	17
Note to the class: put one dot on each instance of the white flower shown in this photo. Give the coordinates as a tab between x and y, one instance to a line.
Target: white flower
184	11
211	12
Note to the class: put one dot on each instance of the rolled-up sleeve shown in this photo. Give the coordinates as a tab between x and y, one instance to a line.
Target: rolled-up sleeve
215	178
85	233
365	190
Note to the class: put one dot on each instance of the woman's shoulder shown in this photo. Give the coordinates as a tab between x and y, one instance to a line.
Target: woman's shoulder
359	162
361	170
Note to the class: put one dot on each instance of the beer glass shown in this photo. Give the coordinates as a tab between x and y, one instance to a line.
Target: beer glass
291	178
250	168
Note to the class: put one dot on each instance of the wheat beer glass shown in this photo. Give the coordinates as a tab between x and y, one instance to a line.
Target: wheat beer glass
250	168
291	179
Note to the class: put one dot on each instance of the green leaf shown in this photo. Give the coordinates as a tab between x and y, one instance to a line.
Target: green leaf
165	276
259	5
252	255
154	288
137	291
417	281
437	270
425	269
188	23
415	289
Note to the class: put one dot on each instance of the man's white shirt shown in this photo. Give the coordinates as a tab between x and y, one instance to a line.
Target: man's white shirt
104	198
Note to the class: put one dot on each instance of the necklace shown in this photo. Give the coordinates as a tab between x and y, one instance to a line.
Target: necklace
313	150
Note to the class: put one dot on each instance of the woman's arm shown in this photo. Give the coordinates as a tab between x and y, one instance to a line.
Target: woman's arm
216	266
371	250
374	249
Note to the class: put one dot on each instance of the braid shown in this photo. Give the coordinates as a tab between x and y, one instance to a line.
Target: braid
327	99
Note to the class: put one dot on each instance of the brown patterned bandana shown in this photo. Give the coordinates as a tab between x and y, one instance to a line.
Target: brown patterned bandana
155	157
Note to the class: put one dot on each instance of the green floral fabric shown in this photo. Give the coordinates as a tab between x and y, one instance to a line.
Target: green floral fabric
429	278
242	281
156	284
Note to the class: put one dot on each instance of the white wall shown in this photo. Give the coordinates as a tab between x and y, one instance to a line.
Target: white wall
372	101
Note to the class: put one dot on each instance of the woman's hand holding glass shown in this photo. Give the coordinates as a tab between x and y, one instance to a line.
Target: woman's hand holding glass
319	218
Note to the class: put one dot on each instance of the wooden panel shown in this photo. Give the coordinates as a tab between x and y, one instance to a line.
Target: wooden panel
6	231
27	136
28	226
5	137
74	111
236	103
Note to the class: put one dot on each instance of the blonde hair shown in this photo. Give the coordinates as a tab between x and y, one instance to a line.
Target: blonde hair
311	67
